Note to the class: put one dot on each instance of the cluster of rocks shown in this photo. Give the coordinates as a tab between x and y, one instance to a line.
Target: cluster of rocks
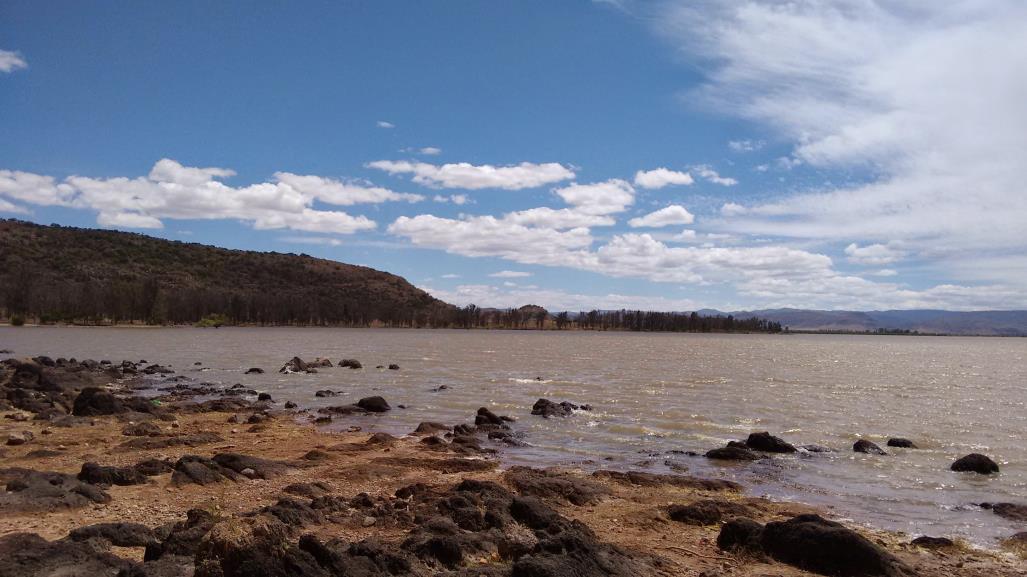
546	408
298	365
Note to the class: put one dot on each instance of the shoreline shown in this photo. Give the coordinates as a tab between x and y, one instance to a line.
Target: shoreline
628	516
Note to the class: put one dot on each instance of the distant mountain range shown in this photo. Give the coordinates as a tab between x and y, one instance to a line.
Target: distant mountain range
990	323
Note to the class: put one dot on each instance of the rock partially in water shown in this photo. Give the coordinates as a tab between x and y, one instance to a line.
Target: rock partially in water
768	443
325	393
547	408
431	427
374	404
351	363
975	463
1013	511
731	453
865	446
901	443
254	371
393	367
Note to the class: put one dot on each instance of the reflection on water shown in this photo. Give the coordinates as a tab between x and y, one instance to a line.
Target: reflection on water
657	396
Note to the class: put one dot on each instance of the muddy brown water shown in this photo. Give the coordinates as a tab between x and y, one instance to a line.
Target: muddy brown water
657	396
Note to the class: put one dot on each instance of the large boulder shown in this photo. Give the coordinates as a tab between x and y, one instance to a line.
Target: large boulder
865	446
815	544
117	534
901	443
975	463
706	512
768	443
546	408
28	554
96	474
94	401
374	404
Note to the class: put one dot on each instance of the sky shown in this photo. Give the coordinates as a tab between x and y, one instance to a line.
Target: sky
666	155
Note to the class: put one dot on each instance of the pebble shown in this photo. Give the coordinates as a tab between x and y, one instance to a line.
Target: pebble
368	521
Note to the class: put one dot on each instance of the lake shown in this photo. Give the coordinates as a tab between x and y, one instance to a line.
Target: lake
656	396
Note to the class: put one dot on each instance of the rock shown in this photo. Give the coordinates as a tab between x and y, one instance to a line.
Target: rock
308	490
253	546
326	393
393	367
373	404
182	538
154	467
254	371
296	365
901	443
29	555
260	468
320	362
368	521
430	428
549	484
264	397
144	429
1011	511
741	535
646	479
29	490
169	441
932	542
768	443
732	454
706	512
290	405
94	401
117	534
351	363
817	449
865	446
96	474
547	408
487	417
975	463
381	439
815	544
15	439
201	471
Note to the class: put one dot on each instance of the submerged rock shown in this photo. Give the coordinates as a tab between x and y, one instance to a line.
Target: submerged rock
865	446
730	453
374	404
254	371
1011	511
547	408
975	463
901	443
351	363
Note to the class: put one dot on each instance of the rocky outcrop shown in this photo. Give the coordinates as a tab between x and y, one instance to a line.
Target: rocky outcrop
28	490
865	446
547	408
706	512
374	404
768	443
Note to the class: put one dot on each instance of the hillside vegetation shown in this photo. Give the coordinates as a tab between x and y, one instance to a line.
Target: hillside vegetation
64	274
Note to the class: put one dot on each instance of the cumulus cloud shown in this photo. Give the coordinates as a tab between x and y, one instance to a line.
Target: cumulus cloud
11	61
673	214
457	199
661	177
510	274
874	254
554	299
474	177
557	218
172	190
385	124
599	198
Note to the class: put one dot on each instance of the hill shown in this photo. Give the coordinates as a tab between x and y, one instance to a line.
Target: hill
989	323
55	273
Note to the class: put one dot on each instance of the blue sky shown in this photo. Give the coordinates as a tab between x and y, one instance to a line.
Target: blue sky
668	155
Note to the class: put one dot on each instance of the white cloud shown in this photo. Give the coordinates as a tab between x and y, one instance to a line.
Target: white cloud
599	198
342	193
474	177
11	61
555	299
10	207
924	98
174	191
457	199
510	274
561	218
708	174
874	254
673	214
745	145
661	177
318	240
430	151
450	275
687	235
732	209
885	272
385	124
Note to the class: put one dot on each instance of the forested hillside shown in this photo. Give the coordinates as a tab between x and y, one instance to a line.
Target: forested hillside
63	274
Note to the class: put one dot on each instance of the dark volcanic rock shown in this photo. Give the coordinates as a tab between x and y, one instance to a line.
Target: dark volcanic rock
901	443
741	535
118	534
29	490
393	367
326	393
815	544
201	471
430	428
154	467
308	490
706	512
548	484
646	479
547	408
932	542
29	555
1008	510
144	429
768	443
255	371
295	365
183	538
262	468
976	463
93	401
487	417
264	397
865	446
731	453
96	474
351	363
151	443
374	404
